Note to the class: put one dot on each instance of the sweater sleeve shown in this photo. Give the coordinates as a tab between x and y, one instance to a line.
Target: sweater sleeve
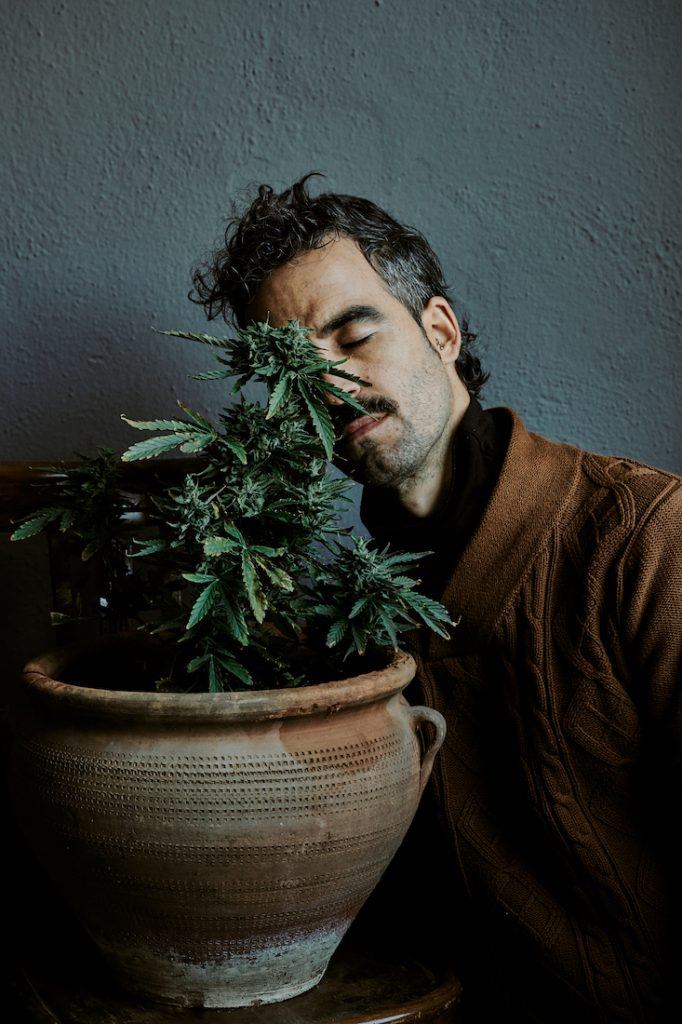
651	632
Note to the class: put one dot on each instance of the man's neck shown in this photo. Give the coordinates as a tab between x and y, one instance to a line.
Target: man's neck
424	494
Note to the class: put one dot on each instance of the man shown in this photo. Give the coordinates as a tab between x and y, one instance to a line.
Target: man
558	786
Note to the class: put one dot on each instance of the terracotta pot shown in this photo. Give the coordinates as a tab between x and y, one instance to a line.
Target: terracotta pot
215	846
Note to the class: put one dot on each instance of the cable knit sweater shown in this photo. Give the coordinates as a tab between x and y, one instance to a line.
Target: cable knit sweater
559	784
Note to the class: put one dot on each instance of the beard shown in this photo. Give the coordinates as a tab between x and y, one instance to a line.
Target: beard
382	462
378	463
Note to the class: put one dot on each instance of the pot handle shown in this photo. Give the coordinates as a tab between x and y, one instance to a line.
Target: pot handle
420	716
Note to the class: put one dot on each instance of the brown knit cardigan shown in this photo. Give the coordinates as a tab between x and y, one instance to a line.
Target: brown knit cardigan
559	785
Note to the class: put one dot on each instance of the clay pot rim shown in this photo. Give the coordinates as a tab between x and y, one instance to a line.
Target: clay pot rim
39	681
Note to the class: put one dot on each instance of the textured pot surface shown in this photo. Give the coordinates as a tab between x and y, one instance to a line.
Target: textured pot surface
215	846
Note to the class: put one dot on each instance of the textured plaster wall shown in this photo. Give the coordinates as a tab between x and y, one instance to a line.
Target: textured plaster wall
535	142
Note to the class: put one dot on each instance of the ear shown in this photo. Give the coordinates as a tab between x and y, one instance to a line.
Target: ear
442	328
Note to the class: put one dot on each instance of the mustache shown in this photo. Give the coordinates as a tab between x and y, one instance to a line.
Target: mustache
344	414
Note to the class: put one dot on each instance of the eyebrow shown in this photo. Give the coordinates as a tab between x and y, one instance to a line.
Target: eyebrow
352	314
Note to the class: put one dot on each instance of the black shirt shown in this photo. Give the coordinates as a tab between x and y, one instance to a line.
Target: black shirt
478	449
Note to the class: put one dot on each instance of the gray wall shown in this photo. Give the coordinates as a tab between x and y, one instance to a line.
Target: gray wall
535	143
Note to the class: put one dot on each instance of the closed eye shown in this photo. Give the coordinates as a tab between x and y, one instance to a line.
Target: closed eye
354	344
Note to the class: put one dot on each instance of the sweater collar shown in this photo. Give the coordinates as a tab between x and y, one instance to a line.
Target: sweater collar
535	480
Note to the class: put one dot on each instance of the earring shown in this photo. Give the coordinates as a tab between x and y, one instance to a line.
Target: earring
441	345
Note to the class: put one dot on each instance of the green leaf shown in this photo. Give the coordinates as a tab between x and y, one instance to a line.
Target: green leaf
336	632
219	546
202	605
205	339
67	520
36	523
278	395
429	617
358	639
235	621
235	668
196	417
322	423
213	375
344	396
253	588
150	547
358	606
404	581
214	683
386	622
198	577
236	448
404	556
196	663
277	575
236	533
153	446
174	425
197	443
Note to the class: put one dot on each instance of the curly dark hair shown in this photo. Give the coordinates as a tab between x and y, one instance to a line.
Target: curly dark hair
277	227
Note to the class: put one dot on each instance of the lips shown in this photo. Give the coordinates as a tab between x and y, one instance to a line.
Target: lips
362	425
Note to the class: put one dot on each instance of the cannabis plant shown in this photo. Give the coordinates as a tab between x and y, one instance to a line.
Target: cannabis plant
258	585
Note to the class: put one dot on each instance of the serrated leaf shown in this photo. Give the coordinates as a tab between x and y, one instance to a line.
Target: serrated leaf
358	639
236	448
236	669
357	607
344	396
219	546
213	375
235	621
153	446
36	523
198	577
236	533
277	575
386	622
150	548
204	339
202	605
67	520
214	683
404	581
336	632
197	417
404	556
322	423
197	443
253	588
174	425
196	663
278	395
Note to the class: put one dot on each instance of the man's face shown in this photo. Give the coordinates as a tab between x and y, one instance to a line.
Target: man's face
408	384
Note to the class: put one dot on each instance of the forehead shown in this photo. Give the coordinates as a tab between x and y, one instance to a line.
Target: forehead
315	285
